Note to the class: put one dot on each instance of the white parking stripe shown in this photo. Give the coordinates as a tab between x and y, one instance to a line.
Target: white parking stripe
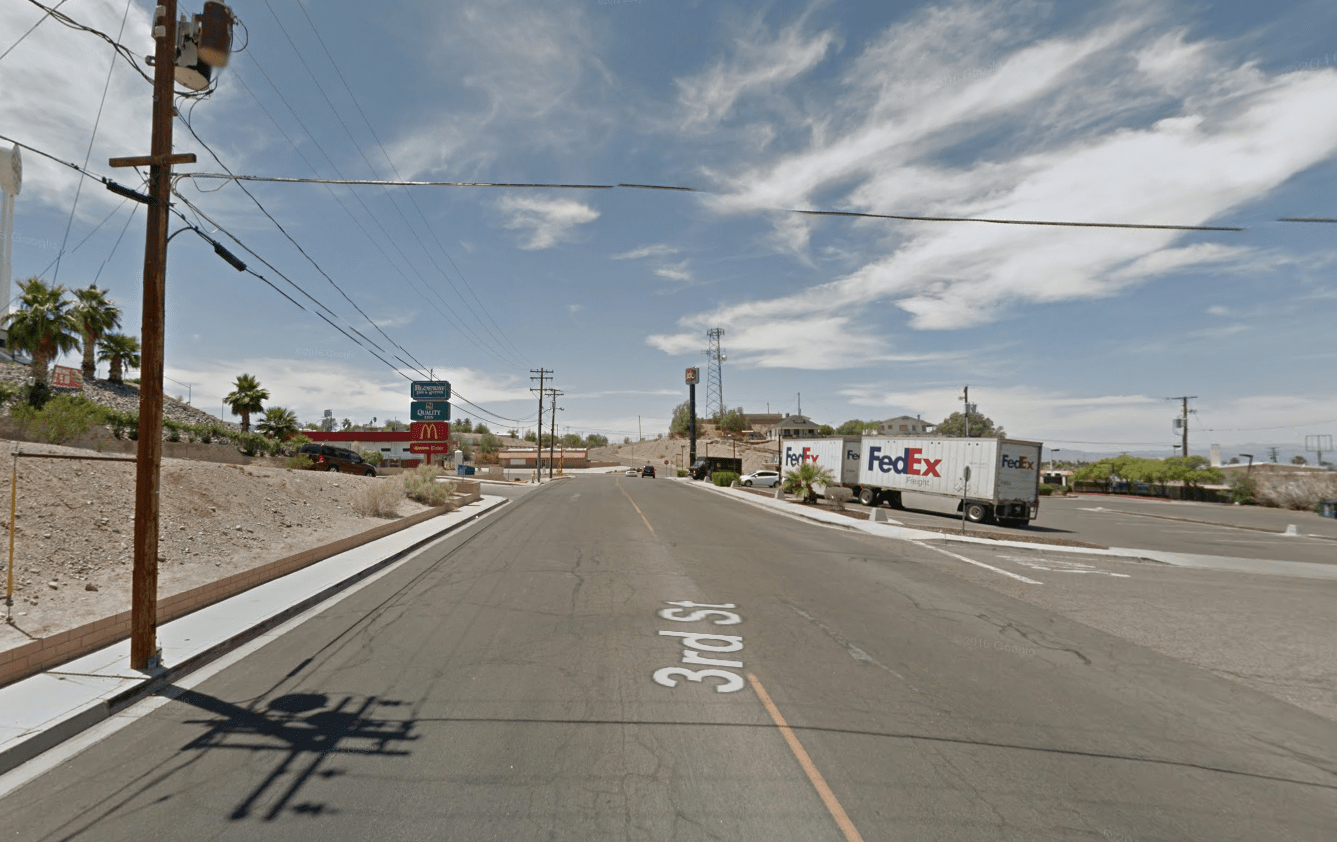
977	563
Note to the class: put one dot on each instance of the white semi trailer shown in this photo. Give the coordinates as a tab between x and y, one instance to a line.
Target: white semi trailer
840	454
987	479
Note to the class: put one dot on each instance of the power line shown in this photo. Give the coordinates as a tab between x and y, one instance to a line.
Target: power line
421	368
459	325
372	168
97	121
62	18
40	21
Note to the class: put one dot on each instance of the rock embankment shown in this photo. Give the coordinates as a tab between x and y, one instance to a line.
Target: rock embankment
122	397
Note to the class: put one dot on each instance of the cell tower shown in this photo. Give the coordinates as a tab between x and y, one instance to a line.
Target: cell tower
715	373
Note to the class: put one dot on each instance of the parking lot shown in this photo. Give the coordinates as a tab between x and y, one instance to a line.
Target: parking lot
1245	532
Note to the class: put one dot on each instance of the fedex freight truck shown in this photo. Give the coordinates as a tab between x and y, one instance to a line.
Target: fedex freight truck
1002	482
839	454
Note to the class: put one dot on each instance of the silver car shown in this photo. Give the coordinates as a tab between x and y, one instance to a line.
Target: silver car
762	479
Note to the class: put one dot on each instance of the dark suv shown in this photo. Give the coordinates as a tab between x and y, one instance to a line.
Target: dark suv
325	457
648	471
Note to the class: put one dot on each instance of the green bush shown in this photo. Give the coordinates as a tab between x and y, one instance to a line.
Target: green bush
372	457
420	484
300	462
61	418
250	443
724	479
293	444
1243	490
173	429
682	473
1046	489
273	447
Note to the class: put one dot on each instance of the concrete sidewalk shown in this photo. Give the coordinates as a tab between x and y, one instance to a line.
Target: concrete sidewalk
42	711
891	529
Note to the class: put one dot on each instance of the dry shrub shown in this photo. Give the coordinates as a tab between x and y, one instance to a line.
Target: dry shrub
1296	491
420	484
379	498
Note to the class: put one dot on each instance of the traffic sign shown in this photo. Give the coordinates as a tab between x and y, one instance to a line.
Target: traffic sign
429	390
429	411
429	447
429	431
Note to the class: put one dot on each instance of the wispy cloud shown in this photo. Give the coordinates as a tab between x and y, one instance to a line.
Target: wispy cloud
762	63
1190	134
656	250
509	64
675	272
547	221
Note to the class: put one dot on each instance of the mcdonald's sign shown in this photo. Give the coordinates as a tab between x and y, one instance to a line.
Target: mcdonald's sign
429	431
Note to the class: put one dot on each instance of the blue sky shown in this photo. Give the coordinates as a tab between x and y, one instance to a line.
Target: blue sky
1137	112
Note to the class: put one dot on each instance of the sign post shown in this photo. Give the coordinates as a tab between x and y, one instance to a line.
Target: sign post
693	377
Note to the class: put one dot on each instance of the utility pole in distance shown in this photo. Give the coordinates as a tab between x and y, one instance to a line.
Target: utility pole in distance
538	431
552	436
1183	421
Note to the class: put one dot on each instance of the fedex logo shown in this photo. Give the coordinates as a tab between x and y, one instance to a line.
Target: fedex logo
798	457
908	463
1020	462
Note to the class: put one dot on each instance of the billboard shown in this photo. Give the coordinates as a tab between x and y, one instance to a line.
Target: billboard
67	378
429	447
429	411
429	431
429	390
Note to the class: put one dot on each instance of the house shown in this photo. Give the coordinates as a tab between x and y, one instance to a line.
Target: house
794	427
904	425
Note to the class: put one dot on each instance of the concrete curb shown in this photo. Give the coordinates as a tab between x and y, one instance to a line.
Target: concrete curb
123	691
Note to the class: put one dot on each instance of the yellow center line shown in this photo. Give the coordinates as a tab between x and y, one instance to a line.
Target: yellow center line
634	506
818	782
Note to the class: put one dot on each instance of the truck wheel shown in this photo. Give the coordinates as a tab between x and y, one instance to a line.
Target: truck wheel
868	497
976	512
894	500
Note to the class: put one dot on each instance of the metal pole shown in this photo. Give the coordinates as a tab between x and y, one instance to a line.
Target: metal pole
552	436
13	498
144	588
691	423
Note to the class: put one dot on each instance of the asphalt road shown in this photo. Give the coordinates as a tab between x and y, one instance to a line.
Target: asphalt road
512	682
1179	527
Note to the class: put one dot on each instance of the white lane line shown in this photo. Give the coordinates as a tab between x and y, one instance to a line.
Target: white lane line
977	563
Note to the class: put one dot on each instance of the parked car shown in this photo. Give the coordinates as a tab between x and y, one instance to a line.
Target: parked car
648	471
325	457
763	479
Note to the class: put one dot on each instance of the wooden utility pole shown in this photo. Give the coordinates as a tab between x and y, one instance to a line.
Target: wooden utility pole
1184	420
552	436
538	431
144	587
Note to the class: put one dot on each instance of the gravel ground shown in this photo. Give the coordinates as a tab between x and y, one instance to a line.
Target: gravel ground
73	544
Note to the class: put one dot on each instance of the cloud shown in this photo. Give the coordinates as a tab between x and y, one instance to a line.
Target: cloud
574	308
1114	120
315	379
657	250
509	74
761	63
52	83
548	221
675	272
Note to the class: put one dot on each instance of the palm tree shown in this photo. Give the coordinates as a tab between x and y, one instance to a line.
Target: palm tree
96	315
246	397
278	423
121	351
44	327
804	479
